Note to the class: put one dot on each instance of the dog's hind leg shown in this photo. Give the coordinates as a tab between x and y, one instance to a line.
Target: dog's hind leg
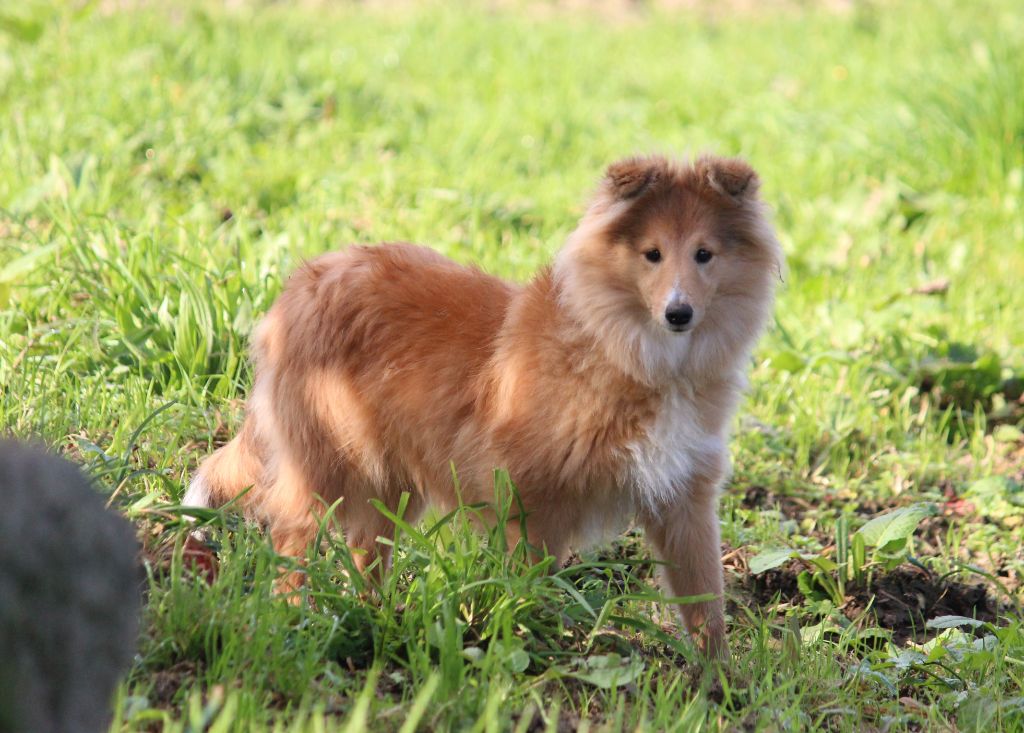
294	508
227	472
287	506
219	479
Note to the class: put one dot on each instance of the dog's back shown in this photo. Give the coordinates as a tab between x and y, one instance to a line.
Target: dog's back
367	369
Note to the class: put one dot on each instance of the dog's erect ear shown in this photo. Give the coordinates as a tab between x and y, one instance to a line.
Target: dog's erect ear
731	178
629	178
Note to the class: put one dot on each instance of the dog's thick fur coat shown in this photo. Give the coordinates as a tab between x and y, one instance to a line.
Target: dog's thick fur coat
380	367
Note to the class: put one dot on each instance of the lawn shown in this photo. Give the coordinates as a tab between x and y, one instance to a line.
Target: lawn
163	166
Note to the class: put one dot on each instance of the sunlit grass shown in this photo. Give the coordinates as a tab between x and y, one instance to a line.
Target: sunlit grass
163	168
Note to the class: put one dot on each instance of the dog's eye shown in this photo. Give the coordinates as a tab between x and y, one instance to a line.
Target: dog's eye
653	255
703	256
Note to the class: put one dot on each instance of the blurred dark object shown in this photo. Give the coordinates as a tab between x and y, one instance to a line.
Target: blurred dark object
69	596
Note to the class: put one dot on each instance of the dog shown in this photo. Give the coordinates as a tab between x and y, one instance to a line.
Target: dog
605	386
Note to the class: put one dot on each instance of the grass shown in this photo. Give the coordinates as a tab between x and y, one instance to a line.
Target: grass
163	167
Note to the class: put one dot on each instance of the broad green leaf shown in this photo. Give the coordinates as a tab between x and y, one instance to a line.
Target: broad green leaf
770	558
609	671
823	563
894	528
949	622
805	582
873	633
907	657
814	633
517	661
788	360
865	669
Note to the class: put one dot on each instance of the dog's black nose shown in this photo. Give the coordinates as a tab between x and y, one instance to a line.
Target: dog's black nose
678	315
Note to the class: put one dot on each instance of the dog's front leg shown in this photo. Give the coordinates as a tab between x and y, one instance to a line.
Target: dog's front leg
685	537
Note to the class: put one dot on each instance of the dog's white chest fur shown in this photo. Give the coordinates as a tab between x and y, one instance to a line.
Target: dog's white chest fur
663	462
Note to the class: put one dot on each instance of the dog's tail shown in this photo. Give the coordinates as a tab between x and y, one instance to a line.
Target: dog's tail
227	472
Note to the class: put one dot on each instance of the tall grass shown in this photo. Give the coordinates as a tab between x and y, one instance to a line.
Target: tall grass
163	167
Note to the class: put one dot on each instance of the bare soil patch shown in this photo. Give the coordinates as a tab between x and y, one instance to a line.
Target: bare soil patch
901	601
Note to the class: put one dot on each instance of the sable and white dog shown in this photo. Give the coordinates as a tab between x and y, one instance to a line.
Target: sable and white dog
606	386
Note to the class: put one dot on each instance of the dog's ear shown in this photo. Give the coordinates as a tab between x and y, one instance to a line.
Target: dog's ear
629	178
729	178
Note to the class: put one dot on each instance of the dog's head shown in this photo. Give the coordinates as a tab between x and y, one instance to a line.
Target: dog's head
673	249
